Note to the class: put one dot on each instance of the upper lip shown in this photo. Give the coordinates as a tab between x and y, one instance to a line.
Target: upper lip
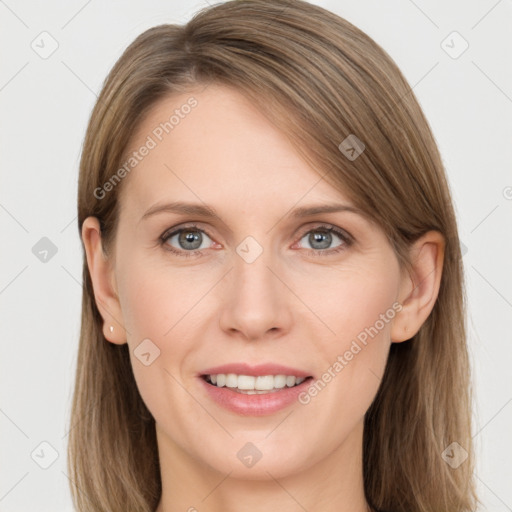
255	370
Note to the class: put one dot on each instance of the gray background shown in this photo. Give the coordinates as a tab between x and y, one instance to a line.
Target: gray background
45	104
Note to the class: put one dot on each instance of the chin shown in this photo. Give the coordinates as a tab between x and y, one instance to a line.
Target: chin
251	457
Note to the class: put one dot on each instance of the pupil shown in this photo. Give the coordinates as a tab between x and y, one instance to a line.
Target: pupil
325	235
187	239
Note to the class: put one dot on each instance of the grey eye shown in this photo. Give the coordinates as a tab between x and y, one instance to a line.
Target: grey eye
188	239
321	239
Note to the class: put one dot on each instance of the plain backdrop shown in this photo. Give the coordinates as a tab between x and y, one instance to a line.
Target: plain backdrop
45	102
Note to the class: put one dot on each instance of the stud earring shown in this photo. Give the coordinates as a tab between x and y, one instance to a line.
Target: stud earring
111	328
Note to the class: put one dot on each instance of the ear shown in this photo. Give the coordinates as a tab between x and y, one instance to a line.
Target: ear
420	286
103	281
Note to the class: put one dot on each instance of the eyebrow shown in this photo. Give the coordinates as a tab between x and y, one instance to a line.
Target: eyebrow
205	211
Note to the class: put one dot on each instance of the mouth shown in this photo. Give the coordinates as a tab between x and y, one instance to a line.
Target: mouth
249	390
260	390
254	384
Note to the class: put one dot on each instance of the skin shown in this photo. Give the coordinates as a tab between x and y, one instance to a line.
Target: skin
288	306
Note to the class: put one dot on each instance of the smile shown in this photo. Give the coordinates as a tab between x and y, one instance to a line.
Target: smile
249	390
251	385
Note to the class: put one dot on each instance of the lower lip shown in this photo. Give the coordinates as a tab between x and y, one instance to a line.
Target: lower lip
254	405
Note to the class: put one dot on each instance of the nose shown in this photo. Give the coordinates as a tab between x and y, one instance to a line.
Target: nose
256	302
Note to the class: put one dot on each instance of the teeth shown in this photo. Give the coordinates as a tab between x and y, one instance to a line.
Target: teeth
279	381
254	385
290	381
231	380
264	383
247	382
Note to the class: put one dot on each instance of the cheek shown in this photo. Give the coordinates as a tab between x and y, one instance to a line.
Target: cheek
149	309
153	300
366	310
353	303
157	304
358	309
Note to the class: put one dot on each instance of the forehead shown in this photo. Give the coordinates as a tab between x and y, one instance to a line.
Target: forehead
213	145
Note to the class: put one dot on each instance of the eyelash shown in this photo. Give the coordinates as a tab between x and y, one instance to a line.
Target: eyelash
345	237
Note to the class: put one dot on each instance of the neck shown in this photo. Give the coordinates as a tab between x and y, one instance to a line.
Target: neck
333	484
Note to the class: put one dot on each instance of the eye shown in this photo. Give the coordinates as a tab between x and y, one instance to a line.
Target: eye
320	240
188	241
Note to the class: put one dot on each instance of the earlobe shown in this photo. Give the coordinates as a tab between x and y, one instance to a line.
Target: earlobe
102	277
419	287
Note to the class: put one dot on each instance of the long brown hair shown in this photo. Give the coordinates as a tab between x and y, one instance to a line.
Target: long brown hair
319	79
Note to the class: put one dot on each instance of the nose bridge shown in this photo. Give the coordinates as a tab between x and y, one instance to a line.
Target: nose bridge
253	278
256	303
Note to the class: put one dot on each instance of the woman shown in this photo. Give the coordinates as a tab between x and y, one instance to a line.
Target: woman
273	310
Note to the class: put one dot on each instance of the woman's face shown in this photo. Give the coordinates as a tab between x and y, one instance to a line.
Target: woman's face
259	290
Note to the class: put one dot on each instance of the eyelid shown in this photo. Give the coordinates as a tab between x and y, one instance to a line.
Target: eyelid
175	229
330	227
